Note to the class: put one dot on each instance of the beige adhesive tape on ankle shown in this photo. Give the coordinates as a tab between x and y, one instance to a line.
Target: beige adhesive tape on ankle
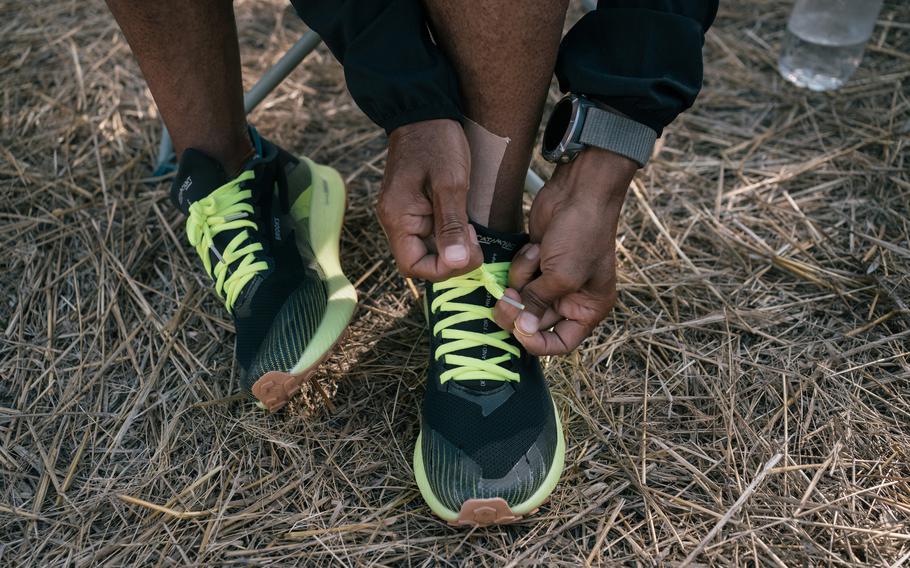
487	150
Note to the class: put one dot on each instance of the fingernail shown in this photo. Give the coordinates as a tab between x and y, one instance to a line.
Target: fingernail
527	323
456	253
532	252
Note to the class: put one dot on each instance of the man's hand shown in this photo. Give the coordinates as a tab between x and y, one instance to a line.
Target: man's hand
423	202
566	275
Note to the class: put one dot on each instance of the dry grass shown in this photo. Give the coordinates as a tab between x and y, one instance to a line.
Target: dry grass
746	403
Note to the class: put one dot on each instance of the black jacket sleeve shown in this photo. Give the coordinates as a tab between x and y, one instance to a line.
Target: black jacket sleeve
640	57
394	71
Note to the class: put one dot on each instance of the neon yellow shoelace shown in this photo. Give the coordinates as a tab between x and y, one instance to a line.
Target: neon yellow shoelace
493	277
226	209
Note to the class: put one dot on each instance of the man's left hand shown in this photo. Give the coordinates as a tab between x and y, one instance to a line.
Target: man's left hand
566	275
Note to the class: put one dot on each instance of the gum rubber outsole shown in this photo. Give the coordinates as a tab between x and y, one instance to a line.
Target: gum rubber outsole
275	389
485	512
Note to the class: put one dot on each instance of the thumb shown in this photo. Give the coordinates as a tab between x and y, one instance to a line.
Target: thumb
539	295
456	246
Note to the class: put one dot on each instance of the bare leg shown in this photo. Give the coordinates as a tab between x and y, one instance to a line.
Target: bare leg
504	53
190	58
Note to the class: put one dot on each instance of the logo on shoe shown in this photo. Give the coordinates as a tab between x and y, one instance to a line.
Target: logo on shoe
242	308
503	244
186	185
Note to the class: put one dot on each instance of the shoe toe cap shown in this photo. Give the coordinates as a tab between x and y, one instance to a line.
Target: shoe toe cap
286	336
456	477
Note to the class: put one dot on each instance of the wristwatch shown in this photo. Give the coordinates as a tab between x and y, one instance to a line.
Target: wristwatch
577	122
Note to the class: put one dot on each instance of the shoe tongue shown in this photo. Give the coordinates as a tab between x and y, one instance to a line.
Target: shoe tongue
496	247
198	175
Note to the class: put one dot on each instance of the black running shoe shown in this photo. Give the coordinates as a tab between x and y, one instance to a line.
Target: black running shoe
491	448
269	240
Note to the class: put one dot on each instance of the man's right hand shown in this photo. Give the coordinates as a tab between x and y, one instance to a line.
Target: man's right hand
423	201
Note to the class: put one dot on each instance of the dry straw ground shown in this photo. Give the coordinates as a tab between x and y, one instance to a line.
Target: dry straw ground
746	403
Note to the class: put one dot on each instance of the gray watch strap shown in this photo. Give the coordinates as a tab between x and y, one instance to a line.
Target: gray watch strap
618	134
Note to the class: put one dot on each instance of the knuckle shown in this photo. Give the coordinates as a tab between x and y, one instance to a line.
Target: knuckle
536	216
450	180
384	208
566	280
604	293
557	350
536	350
609	302
532	298
405	270
449	226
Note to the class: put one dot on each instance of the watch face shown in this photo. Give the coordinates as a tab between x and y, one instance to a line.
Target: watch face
557	125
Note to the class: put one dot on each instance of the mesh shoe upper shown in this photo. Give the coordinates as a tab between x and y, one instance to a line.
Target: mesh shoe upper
279	308
486	438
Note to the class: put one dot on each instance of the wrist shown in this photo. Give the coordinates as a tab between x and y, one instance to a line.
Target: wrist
420	126
597	173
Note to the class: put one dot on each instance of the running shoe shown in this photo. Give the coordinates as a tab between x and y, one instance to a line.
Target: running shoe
491	447
269	240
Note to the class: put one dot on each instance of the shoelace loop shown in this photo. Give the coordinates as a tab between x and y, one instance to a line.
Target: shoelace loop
226	209
493	278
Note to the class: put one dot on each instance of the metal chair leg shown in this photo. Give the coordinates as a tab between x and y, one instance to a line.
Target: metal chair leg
165	162
533	182
277	73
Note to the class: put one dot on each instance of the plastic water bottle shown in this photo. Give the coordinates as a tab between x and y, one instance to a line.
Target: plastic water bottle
825	41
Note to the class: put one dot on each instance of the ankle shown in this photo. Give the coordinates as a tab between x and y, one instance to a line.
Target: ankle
236	153
506	220
234	164
232	152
